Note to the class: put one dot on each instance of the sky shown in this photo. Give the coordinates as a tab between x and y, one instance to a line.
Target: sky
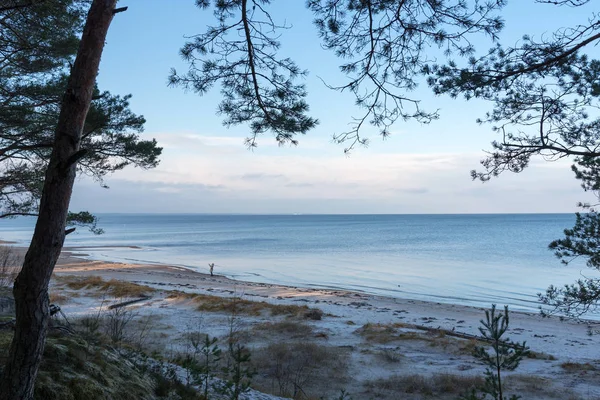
205	167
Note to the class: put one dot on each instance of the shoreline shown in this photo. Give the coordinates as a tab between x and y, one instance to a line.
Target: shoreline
516	304
76	255
428	337
175	277
71	256
451	270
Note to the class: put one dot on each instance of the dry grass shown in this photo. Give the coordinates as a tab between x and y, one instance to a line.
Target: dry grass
10	265
538	355
300	370
113	287
238	305
531	383
387	333
442	384
59	297
578	367
291	329
379	333
468	346
391	355
532	386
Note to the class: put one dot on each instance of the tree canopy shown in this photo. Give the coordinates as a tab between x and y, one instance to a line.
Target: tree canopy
545	94
383	45
38	42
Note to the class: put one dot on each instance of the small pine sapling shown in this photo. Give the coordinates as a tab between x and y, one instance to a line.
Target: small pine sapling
238	372
210	355
504	355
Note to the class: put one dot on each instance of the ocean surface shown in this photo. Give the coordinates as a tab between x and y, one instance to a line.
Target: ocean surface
461	259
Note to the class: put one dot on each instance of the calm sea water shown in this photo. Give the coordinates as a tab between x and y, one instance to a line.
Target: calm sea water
463	259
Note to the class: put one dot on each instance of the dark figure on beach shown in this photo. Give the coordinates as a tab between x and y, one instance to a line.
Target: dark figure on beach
212	267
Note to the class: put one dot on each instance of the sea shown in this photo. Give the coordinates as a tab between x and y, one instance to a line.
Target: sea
460	259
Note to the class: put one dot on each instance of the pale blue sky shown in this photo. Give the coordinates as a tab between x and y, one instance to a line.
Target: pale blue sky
206	168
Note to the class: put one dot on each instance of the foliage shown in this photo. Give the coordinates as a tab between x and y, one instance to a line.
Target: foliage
383	44
39	42
210	355
73	368
258	87
201	363
545	95
238	373
505	355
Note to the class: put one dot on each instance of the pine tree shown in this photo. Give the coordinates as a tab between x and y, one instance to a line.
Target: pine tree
504	355
39	42
41	141
545	94
383	44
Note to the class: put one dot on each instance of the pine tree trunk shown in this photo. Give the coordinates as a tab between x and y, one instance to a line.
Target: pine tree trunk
31	286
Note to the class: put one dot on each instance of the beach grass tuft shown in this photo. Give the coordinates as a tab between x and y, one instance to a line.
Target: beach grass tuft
113	287
386	333
538	355
578	367
59	297
238	305
291	329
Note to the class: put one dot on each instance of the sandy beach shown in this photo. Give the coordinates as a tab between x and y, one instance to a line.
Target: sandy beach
380	341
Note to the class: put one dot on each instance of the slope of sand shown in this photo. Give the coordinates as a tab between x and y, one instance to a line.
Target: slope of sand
566	363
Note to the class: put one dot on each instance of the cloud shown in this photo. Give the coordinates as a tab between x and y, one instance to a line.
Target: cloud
181	188
414	190
299	185
224	177
260	175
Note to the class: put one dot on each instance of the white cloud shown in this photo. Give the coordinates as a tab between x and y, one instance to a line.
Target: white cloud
206	174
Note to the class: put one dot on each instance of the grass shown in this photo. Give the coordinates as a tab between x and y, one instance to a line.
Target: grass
113	287
10	265
538	355
468	346
379	333
291	329
59	297
531	383
390	355
73	369
238	305
441	384
578	367
300	370
387	333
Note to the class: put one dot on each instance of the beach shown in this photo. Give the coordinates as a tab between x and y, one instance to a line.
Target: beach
380	339
473	260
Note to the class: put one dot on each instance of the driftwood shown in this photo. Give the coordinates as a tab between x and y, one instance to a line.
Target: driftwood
128	302
453	333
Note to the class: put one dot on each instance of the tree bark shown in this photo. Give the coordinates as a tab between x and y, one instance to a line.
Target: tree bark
31	286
